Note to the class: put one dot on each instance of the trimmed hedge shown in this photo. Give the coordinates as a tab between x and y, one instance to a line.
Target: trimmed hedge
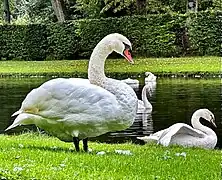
91	31
23	42
63	42
150	35
162	35
205	33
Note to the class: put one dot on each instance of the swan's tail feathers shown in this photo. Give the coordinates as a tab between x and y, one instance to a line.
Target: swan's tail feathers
149	139
12	126
17	113
19	120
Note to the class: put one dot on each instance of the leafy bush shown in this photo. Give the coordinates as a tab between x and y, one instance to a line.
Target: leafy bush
62	41
12	43
91	31
205	33
150	35
26	42
162	35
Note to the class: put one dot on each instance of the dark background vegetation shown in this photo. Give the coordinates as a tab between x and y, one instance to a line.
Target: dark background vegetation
70	29
162	35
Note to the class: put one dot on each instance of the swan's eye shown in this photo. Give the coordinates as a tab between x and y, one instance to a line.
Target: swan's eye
127	46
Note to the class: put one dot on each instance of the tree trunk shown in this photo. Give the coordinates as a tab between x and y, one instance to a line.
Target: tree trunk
58	7
6	11
141	6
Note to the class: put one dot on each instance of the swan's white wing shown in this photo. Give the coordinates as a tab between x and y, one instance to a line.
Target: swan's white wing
59	98
71	107
179	133
152	137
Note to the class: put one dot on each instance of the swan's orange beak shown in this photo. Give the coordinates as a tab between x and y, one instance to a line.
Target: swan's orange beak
128	56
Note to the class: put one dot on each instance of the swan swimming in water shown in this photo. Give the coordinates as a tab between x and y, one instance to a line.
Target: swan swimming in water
185	135
145	107
74	109
145	104
150	77
134	83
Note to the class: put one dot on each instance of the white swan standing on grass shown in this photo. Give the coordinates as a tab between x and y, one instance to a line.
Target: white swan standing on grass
185	135
74	109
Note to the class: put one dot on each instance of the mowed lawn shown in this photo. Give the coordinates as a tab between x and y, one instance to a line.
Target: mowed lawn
33	156
155	65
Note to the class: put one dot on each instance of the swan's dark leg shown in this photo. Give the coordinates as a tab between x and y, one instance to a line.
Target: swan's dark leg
76	143
85	144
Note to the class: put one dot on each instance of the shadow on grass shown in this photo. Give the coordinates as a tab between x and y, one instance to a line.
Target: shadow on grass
52	149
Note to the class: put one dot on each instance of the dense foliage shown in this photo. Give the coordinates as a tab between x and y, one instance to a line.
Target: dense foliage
205	33
33	11
23	42
62	41
151	35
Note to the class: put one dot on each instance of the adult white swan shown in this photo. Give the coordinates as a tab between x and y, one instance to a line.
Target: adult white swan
74	109
150	77
187	136
145	104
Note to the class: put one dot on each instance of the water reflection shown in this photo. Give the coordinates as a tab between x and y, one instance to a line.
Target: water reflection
173	100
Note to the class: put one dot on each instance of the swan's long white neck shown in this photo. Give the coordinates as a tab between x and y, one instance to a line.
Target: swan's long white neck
96	73
124	94
195	121
147	104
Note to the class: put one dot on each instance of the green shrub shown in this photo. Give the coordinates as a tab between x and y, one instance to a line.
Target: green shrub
35	42
162	35
12	45
150	35
62	41
91	31
25	42
205	33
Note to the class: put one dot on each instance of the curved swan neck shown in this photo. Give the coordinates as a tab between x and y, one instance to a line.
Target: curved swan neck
195	121
147	104
96	73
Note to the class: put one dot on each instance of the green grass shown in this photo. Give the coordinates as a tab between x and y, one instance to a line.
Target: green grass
32	156
156	65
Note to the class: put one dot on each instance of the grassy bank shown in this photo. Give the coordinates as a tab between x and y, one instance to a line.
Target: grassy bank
189	65
32	156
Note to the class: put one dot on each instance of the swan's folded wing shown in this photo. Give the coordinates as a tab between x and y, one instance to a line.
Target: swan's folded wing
59	98
178	129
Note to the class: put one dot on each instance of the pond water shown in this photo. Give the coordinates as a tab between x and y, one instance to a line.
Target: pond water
174	100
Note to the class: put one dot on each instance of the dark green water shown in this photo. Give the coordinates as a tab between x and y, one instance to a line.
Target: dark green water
174	100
